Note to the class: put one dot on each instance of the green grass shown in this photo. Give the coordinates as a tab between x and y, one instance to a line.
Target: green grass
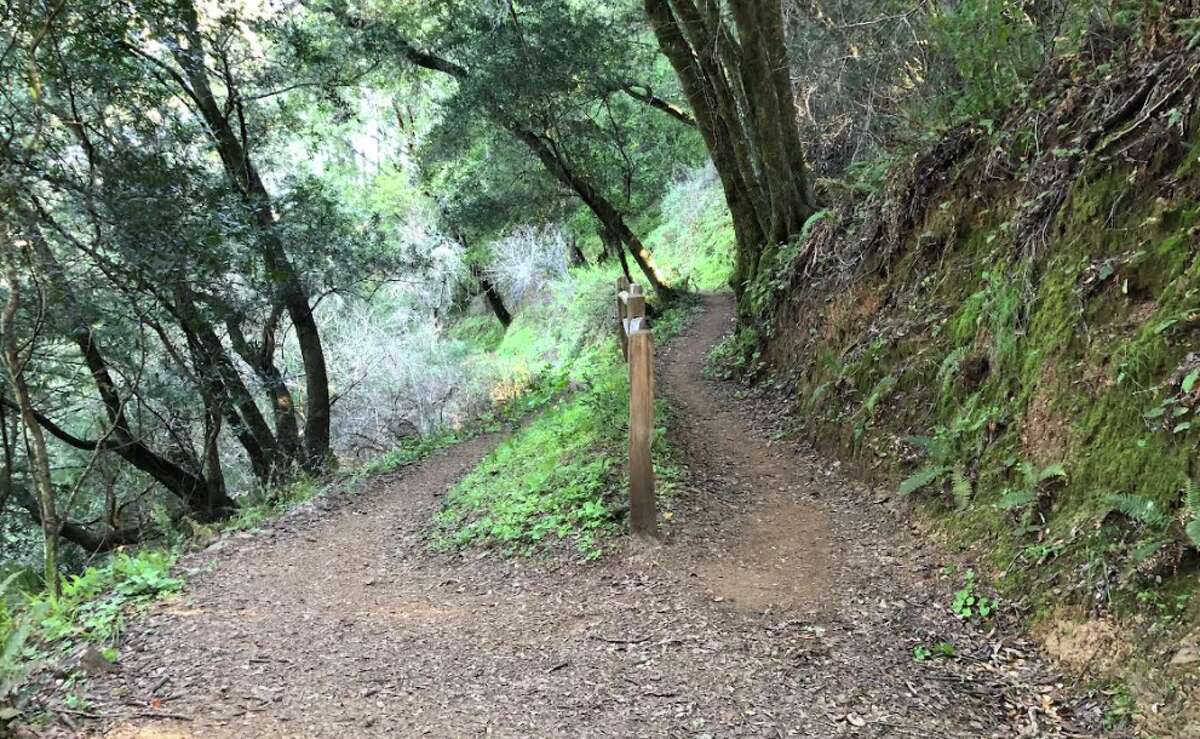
694	247
560	481
550	482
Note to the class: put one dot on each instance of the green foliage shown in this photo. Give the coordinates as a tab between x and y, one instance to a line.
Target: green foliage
991	47
263	505
548	482
92	604
777	267
949	452
693	242
90	609
1191	511
968	603
1028	488
937	650
1139	508
736	352
557	479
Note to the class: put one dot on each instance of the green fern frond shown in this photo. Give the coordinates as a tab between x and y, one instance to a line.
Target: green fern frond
921	479
1025	470
950	366
1191	496
1140	509
960	487
1193	532
1052	471
1014	499
924	442
1146	549
880	391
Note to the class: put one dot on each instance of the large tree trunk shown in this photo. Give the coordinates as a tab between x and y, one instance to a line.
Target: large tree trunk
739	88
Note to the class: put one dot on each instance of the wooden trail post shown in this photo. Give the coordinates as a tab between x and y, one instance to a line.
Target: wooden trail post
637	346
622	290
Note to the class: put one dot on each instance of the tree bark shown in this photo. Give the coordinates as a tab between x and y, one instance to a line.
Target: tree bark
290	289
261	358
492	295
609	216
716	126
739	87
189	487
39	457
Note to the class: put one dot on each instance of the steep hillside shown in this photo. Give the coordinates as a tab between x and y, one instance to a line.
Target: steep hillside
1010	331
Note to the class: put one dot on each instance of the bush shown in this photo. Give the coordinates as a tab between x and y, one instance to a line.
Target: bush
527	258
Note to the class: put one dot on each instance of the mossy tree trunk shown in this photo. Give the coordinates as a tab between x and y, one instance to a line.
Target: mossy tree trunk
736	77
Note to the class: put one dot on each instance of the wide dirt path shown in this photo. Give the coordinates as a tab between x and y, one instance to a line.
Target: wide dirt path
783	601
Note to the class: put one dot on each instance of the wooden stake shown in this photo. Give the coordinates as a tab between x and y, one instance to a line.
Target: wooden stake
622	287
635	314
642	506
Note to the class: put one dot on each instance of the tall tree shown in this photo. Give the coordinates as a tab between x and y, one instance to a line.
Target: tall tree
731	60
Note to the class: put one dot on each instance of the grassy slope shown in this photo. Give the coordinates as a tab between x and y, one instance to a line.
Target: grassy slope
561	480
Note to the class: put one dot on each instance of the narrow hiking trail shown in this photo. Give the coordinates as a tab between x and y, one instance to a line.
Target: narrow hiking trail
783	601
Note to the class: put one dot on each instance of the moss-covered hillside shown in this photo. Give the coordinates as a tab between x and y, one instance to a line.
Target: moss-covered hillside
1009	332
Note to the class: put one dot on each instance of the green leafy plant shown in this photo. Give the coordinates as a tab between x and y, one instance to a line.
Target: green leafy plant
1030	484
948	451
968	603
1191	511
938	650
1138	508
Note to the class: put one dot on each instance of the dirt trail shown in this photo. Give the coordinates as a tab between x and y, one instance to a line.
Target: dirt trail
783	602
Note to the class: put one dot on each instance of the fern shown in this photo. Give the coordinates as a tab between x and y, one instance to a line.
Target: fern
1147	549
1049	472
1140	509
1192	529
1191	509
960	487
921	479
1014	499
950	366
1191	496
936	448
880	391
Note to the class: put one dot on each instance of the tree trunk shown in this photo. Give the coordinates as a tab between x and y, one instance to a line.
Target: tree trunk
261	358
492	295
576	255
609	216
222	388
189	487
39	458
290	289
739	88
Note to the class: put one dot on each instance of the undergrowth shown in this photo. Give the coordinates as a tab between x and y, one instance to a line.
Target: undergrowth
39	628
560	479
